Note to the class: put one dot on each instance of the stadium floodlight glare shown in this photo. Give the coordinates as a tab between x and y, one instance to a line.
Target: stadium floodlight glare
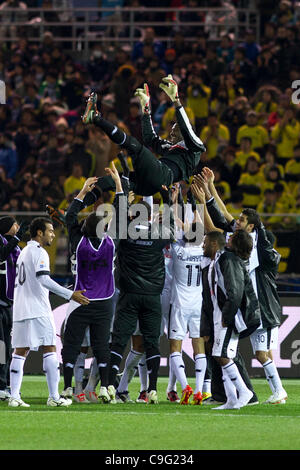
2	93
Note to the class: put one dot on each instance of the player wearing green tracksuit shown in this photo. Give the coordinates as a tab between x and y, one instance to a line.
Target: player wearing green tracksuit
179	156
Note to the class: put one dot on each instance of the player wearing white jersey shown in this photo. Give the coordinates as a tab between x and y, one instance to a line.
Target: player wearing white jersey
185	315
33	324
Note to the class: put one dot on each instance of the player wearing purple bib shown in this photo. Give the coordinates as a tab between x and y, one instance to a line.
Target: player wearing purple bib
95	264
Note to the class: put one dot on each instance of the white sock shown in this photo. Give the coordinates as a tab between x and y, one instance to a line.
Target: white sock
178	368
272	376
51	369
172	378
229	387
200	369
78	372
93	377
16	374
130	369
143	373
206	386
234	375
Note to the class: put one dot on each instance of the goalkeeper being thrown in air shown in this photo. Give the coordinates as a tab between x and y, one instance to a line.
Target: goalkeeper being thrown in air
179	156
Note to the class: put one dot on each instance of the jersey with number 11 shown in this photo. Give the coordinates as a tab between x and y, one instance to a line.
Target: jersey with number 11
187	284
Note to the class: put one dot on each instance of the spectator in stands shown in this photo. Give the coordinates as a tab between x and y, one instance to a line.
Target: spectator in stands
245	152
242	70
270	160
252	48
154	75
51	86
215	65
98	65
292	170
285	135
235	204
219	104
167	63
148	39
9	18
221	186
189	16
270	205
198	97
100	146
284	14
235	116
283	105
214	135
225	49
258	134
50	159
6	186
48	192
78	153
14	203
75	180
230	169
123	87
8	155
273	177
133	121
284	197
267	66
250	183
265	105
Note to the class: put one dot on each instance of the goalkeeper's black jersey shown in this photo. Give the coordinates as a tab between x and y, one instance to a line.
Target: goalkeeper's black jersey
186	154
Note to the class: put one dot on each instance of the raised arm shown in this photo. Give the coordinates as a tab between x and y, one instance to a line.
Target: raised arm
209	177
73	227
150	138
200	195
117	230
191	140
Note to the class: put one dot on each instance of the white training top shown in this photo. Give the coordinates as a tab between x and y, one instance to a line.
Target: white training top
31	293
187	276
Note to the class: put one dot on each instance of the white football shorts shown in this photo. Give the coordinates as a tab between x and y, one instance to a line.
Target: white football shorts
264	339
183	321
33	333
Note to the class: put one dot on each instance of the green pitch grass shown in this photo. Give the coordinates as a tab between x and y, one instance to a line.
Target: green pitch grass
166	426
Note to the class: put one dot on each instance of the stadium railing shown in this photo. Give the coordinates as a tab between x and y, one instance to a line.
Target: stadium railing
88	25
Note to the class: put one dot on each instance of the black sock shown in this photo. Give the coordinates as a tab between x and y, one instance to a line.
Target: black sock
103	373
68	375
115	361
153	367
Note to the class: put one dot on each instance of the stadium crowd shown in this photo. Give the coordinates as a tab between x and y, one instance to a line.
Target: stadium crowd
242	150
236	95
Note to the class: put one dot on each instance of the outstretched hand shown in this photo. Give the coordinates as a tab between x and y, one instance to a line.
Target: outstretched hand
198	193
113	172
208	175
77	296
144	97
170	87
